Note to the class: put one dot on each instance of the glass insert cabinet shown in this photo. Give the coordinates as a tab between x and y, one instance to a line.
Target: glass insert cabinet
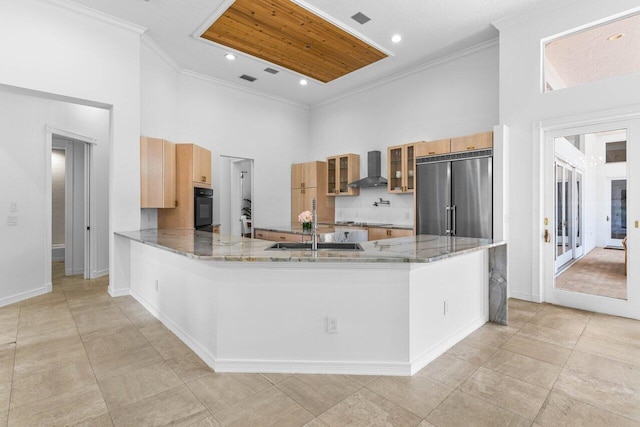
401	168
342	170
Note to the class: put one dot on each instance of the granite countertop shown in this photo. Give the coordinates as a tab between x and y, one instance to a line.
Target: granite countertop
215	247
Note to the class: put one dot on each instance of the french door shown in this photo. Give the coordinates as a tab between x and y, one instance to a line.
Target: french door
568	197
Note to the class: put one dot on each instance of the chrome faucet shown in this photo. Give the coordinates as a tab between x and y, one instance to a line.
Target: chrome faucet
314	225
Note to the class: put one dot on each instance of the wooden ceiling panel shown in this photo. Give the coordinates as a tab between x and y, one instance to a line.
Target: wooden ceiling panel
283	33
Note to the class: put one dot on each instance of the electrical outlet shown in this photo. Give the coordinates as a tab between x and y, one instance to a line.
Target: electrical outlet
156	286
14	207
12	221
445	308
332	325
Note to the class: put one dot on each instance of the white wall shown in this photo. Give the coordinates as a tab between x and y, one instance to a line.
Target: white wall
454	98
22	176
86	60
229	122
522	104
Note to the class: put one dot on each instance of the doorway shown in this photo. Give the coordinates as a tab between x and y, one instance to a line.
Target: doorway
586	198
236	195
71	202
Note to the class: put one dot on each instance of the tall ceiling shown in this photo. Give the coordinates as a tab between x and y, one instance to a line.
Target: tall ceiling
430	29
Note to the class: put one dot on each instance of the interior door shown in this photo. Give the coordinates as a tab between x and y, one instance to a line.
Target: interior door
617	219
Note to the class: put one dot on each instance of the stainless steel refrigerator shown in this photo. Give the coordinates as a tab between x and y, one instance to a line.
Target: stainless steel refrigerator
454	195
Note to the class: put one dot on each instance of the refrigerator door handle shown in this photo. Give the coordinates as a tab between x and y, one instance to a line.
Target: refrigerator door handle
447	220
453	210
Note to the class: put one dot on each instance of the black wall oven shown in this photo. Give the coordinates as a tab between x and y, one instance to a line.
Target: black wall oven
203	208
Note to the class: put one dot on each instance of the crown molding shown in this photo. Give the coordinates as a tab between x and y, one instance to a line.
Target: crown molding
87	11
526	15
225	83
155	47
226	4
427	65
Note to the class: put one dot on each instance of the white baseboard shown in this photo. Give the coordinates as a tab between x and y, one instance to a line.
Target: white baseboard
180	333
57	253
99	273
276	366
26	295
313	367
434	352
118	293
525	297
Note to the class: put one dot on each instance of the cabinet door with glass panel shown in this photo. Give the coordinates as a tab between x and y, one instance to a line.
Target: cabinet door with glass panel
401	167
342	170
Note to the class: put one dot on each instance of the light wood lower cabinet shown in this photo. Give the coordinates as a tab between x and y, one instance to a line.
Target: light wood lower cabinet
376	233
279	236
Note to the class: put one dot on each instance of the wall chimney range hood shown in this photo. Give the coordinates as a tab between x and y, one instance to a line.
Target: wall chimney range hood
374	171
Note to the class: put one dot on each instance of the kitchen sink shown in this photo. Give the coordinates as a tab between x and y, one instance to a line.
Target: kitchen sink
322	246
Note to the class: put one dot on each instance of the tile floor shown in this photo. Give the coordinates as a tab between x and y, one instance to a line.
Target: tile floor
78	357
600	272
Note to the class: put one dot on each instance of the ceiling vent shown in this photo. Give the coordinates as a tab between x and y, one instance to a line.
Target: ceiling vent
271	70
248	78
361	18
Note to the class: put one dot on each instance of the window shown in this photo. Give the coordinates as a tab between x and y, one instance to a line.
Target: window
599	52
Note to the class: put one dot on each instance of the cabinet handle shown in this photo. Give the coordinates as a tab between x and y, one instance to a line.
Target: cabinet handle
302	191
388	232
432	152
302	184
176	203
204	178
282	237
471	147
260	235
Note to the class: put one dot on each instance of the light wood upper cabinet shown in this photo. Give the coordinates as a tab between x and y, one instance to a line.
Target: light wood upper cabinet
432	148
476	141
309	181
201	165
193	168
157	173
342	170
306	174
401	168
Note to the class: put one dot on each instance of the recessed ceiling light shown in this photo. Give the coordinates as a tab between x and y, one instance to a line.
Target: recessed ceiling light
396	38
303	82
230	56
615	37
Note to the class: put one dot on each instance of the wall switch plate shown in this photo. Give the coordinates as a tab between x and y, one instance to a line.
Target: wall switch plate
636	223
12	221
332	325
14	207
446	308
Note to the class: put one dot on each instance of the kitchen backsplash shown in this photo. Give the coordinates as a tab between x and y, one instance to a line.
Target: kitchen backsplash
361	208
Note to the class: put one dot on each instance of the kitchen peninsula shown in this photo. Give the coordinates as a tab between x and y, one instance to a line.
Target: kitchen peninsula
386	310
